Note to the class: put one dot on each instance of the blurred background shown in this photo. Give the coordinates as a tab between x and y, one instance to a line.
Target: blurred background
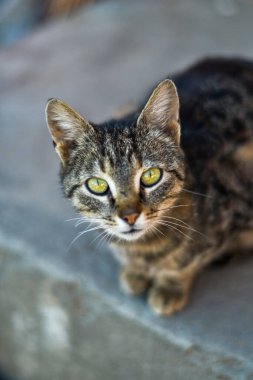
19	17
62	314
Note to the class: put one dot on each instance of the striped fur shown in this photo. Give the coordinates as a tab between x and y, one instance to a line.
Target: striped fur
202	206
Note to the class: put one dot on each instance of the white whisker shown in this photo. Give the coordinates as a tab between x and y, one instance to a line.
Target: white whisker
87	221
96	237
196	193
157	230
178	206
82	233
70	220
103	238
183	224
174	228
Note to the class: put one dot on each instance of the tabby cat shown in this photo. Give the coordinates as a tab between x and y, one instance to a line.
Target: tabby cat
171	193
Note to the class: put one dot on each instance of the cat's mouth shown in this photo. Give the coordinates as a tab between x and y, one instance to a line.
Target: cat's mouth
132	231
132	234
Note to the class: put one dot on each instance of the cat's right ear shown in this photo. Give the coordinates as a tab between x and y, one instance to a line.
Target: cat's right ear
65	125
161	111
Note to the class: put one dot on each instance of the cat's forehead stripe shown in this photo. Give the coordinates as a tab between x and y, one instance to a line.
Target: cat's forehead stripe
102	164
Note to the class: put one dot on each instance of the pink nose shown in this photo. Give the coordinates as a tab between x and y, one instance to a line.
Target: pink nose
131	218
129	215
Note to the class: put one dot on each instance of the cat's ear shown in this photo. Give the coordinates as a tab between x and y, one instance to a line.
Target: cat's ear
65	125
162	110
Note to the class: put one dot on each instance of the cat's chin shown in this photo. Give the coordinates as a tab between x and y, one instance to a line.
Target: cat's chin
131	235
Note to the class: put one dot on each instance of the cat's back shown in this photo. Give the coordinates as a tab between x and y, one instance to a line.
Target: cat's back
216	98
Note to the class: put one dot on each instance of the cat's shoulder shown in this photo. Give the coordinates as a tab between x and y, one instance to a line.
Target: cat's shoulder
215	95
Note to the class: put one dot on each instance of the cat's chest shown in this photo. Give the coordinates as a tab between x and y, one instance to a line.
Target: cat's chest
149	254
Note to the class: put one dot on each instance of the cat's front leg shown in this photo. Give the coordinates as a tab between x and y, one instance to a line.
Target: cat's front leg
170	292
172	285
134	280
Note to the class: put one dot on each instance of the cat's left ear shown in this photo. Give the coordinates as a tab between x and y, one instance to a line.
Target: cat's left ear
66	127
162	110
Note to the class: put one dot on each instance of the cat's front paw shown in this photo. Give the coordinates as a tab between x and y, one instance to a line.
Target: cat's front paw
134	282
168	297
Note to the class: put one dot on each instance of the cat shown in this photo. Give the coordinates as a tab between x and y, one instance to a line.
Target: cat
172	194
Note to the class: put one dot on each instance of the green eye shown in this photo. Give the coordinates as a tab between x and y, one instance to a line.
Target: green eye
97	185
151	176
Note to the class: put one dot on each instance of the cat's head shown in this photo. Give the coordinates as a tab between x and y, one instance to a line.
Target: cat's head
125	173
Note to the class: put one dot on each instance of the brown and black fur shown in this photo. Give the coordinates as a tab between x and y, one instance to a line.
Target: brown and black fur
203	207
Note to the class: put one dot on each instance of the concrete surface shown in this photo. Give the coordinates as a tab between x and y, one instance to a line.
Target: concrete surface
106	56
60	329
